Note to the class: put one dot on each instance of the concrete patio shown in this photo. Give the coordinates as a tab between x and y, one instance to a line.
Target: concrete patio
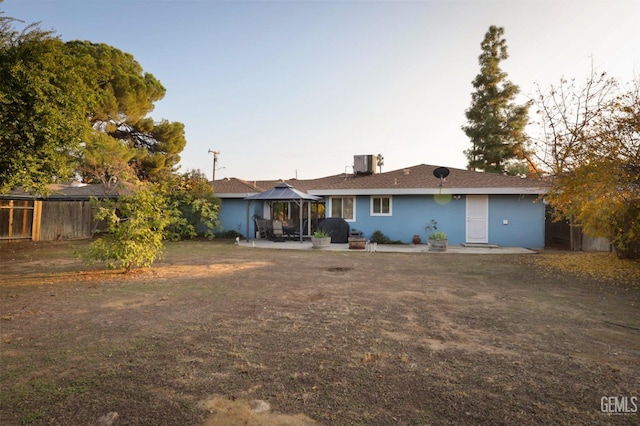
386	248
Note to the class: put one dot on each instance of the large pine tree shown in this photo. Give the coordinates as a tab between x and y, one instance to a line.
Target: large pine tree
124	95
61	102
495	122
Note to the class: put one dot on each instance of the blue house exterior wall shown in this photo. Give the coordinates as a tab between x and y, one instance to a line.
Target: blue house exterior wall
410	214
525	216
233	215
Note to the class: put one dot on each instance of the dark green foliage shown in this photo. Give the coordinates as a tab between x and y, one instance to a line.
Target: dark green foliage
55	95
229	235
42	109
380	238
192	205
124	95
496	125
159	149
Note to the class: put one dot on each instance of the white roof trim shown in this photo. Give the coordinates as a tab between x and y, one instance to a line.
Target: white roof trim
429	191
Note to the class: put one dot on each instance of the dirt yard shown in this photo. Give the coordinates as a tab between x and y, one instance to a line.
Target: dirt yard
220	334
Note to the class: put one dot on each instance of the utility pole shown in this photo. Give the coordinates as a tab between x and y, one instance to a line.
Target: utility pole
215	160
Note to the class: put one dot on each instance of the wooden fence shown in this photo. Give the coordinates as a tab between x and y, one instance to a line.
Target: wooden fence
568	236
45	220
20	219
66	220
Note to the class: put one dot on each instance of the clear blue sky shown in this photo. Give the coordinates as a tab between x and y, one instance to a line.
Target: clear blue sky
286	88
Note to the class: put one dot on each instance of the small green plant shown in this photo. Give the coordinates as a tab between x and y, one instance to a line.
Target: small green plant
321	233
438	235
432	231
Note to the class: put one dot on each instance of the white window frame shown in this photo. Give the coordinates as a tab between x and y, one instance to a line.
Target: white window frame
380	197
353	197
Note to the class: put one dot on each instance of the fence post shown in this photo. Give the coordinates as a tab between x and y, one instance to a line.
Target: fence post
37	219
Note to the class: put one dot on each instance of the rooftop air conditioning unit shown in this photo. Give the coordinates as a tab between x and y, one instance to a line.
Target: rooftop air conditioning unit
364	164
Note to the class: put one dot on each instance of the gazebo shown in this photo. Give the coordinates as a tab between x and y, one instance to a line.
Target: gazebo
282	192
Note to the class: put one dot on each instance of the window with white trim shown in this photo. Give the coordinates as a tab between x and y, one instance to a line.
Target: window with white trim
344	207
381	205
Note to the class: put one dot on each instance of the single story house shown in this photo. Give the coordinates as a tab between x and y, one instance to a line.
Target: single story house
469	206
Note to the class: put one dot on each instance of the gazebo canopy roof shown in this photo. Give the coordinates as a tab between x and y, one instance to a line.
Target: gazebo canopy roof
283	191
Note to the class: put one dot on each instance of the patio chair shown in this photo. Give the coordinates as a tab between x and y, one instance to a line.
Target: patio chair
289	231
277	231
261	226
297	231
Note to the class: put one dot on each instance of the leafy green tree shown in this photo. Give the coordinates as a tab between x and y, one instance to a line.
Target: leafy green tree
42	109
106	160
55	95
193	206
124	95
158	159
135	230
496	124
590	148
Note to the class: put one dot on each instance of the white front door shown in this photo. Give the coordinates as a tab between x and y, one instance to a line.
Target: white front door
477	219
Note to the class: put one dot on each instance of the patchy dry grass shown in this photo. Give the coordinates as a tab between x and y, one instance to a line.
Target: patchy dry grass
220	334
604	267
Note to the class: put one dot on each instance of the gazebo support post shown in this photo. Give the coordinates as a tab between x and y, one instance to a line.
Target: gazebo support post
248	209
301	205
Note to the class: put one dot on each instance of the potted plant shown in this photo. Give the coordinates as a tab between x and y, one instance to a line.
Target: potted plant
320	239
436	240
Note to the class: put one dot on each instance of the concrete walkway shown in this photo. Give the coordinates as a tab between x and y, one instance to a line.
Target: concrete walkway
387	248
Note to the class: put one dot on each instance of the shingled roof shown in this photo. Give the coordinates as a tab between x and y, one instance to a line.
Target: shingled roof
68	192
235	187
411	180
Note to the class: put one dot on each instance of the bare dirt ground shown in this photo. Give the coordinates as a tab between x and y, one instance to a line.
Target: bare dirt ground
220	334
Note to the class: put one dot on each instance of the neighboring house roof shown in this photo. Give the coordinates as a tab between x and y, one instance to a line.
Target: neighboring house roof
411	180
65	191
